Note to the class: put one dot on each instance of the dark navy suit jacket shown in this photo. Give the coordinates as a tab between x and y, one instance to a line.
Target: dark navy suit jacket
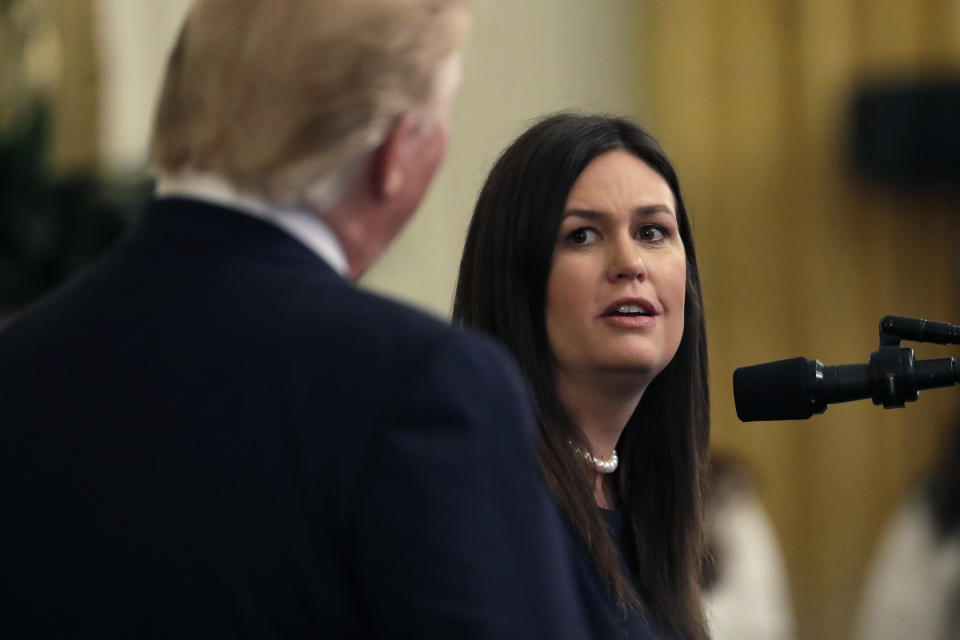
211	434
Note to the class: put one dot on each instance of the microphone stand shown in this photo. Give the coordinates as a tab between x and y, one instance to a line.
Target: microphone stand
895	376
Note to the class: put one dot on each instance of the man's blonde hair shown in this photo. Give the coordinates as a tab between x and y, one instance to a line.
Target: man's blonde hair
282	97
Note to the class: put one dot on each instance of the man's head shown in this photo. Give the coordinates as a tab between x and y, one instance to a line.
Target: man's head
293	100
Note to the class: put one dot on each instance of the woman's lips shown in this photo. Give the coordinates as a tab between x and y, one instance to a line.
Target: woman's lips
631	305
630	322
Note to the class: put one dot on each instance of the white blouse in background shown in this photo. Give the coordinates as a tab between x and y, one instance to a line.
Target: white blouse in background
912	590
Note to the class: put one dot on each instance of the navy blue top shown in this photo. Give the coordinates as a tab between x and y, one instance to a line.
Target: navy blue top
632	624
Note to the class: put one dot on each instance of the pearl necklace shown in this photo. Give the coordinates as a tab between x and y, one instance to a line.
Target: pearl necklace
603	466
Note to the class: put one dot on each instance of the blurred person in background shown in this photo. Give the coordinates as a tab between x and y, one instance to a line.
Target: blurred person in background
580	259
212	433
745	585
912	590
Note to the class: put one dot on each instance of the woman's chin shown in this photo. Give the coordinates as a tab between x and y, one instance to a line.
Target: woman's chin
643	362
635	371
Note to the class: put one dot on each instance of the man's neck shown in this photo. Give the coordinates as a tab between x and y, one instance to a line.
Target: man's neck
303	225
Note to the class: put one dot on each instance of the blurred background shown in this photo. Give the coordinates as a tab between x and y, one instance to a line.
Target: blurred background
799	166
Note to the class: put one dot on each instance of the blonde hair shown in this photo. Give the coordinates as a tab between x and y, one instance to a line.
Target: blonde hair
283	97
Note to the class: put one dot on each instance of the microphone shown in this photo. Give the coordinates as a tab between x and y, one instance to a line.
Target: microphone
797	388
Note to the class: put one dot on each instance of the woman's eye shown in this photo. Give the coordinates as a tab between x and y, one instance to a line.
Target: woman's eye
652	233
583	235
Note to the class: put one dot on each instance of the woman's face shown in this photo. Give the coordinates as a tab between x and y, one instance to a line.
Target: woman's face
615	294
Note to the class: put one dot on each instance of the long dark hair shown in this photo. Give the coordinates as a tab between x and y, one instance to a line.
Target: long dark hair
663	450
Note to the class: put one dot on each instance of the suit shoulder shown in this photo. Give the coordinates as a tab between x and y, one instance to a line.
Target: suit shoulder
408	332
453	360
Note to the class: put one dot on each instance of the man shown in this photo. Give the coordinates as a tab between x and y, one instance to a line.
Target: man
212	433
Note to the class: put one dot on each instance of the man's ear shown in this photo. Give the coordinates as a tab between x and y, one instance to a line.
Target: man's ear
391	159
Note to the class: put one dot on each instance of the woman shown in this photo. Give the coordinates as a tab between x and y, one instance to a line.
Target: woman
580	259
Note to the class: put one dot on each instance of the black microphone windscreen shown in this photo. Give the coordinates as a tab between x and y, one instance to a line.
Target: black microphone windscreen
773	391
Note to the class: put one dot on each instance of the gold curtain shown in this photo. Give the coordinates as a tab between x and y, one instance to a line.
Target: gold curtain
751	99
75	103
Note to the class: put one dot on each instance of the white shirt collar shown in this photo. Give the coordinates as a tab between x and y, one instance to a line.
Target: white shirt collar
302	225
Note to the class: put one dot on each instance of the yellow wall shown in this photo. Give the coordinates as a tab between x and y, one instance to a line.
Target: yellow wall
750	98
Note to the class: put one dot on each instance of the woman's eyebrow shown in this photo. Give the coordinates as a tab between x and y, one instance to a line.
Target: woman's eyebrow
645	210
651	209
585	213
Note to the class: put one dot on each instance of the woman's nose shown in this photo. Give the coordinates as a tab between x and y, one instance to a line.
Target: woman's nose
626	262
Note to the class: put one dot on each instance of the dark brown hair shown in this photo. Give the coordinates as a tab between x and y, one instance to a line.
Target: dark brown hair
663	450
